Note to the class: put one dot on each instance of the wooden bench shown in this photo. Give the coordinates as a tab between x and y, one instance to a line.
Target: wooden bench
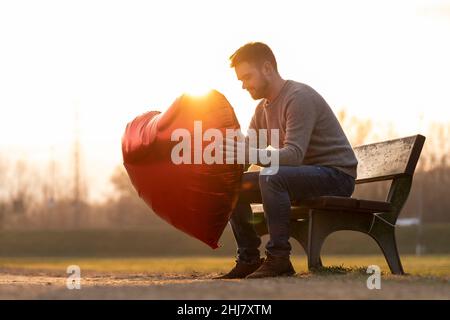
314	219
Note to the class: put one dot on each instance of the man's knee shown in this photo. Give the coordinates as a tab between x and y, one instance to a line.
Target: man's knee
272	181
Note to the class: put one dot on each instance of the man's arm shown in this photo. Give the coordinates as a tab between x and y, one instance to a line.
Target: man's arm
301	118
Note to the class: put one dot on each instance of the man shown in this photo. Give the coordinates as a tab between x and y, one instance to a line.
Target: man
314	155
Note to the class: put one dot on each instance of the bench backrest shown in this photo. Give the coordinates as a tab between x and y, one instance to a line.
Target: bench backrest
388	159
393	160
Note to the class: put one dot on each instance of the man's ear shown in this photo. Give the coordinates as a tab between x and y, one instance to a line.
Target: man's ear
267	68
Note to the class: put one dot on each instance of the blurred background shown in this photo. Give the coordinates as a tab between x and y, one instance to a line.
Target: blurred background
72	74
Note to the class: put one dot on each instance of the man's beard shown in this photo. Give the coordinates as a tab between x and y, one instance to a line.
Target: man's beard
261	92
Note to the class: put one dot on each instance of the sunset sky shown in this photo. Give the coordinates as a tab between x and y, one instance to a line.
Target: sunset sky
112	60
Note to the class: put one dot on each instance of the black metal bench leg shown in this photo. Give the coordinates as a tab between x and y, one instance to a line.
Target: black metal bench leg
317	233
384	235
299	231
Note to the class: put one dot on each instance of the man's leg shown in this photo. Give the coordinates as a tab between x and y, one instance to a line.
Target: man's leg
247	239
296	183
277	191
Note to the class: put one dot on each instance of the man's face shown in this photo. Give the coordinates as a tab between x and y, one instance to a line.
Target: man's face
253	79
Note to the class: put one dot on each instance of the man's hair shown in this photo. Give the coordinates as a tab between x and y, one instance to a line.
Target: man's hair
253	52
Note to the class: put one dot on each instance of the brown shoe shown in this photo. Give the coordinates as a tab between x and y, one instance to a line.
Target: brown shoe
241	270
273	267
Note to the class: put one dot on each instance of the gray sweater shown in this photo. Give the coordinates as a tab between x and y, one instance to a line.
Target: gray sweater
309	132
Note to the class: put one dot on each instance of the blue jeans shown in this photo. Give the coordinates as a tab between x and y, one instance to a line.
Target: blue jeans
276	193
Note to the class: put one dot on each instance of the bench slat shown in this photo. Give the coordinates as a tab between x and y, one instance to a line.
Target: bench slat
388	159
336	203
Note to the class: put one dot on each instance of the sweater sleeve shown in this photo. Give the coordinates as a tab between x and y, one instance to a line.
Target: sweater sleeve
301	117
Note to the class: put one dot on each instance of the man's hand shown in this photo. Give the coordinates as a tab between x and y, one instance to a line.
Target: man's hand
237	150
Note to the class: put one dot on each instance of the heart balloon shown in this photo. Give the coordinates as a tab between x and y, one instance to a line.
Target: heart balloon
168	159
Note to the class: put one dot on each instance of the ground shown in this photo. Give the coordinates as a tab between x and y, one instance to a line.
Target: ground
191	278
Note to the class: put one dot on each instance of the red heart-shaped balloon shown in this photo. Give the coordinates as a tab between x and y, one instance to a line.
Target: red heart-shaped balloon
196	198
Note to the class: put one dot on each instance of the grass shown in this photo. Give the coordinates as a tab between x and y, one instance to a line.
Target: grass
341	269
435	266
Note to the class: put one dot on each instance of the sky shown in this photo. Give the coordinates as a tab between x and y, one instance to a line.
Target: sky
109	61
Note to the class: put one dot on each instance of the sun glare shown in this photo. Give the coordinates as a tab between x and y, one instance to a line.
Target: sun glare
198	91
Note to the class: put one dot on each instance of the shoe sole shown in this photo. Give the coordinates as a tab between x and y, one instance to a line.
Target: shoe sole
286	274
231	278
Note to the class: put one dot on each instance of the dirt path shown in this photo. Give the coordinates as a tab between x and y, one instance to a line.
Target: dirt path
35	284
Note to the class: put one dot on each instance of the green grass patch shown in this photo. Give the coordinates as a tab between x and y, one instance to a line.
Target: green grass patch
422	266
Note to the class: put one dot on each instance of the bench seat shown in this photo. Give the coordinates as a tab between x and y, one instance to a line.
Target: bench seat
300	209
345	204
